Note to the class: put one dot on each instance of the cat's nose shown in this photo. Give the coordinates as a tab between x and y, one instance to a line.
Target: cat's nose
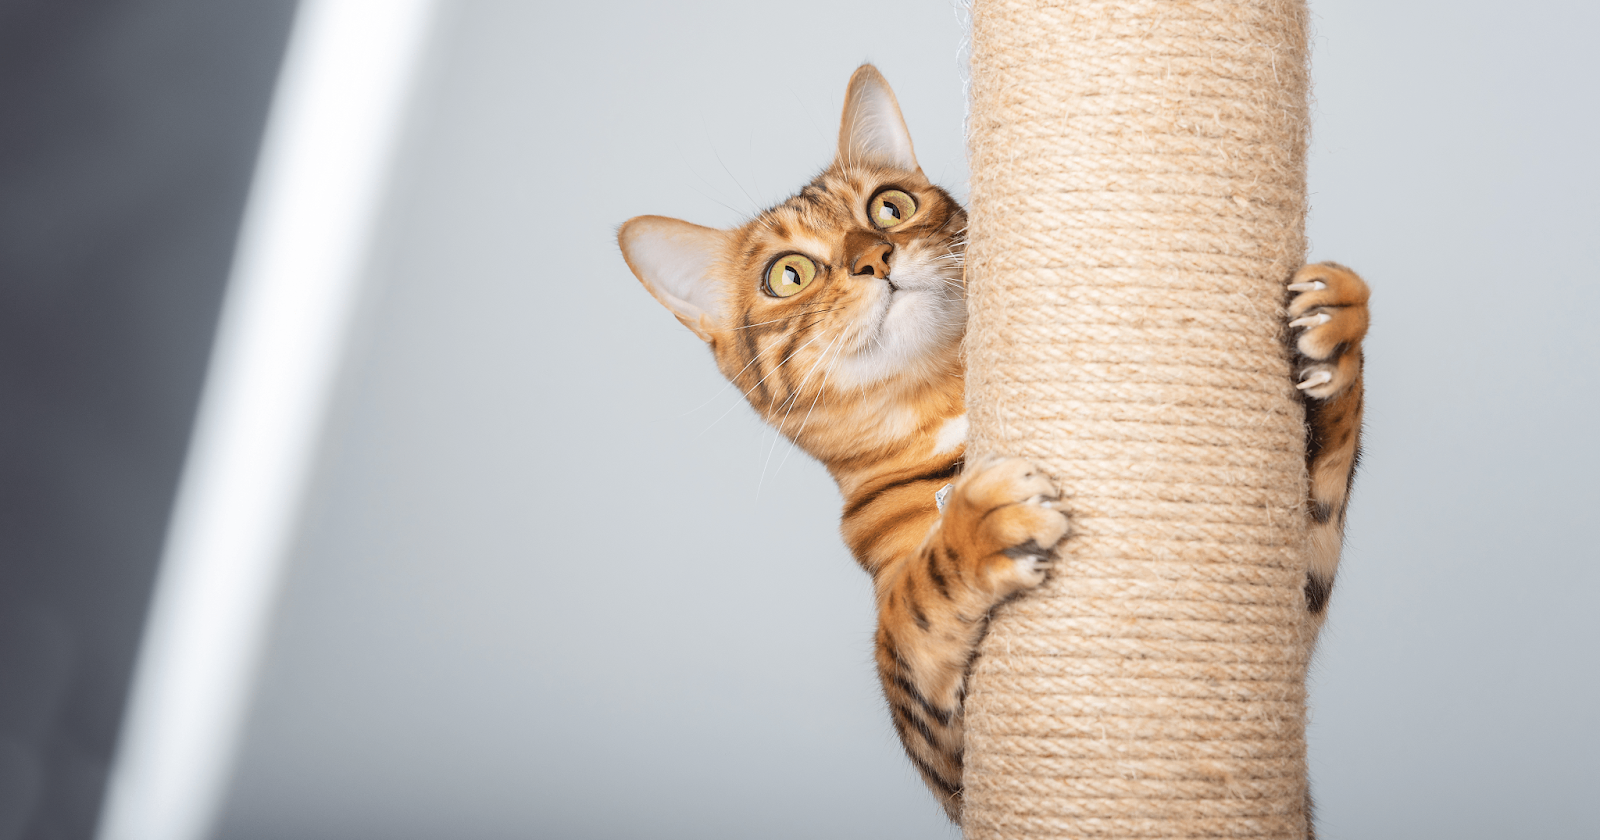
873	261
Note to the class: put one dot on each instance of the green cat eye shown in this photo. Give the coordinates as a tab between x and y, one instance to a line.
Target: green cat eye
891	208
790	274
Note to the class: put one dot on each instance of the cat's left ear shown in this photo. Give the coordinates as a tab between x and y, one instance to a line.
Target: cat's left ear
872	130
675	260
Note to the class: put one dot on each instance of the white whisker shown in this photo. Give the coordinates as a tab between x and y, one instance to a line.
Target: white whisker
793	401
821	388
753	359
785	318
730	382
746	394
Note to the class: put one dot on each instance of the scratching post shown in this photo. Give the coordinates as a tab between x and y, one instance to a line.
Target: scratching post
1138	194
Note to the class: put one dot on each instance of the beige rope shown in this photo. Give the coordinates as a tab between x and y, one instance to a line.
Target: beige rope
1138	195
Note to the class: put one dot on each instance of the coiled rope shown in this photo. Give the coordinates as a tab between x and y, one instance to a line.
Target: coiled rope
1138	202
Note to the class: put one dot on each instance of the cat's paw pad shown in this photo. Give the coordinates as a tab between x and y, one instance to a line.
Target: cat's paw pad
1005	519
1327	320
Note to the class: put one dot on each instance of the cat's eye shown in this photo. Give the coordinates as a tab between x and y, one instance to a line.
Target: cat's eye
891	208
790	274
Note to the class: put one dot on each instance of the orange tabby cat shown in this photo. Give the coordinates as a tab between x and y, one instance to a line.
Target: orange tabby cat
840	313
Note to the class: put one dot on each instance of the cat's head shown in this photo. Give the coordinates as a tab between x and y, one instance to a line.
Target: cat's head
854	283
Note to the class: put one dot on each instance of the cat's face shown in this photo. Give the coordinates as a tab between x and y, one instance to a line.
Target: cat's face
854	283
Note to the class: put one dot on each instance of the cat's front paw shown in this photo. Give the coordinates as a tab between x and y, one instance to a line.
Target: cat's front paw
1327	320
1003	521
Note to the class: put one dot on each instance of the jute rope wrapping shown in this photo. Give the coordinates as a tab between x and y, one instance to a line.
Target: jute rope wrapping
1138	184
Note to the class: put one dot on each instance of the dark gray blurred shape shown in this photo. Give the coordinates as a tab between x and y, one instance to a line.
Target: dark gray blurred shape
128	132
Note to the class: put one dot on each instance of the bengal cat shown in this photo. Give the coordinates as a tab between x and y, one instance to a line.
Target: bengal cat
840	314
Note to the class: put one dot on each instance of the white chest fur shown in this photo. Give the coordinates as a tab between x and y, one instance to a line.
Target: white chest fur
951	435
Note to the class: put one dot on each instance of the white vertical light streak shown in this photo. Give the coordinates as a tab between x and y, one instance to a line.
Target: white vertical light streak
329	145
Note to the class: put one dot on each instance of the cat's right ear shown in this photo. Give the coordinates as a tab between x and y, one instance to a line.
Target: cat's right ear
675	260
871	129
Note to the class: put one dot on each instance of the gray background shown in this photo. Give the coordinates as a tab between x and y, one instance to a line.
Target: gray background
127	134
554	581
557	583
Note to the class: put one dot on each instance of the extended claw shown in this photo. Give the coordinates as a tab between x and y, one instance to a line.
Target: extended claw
1320	377
1313	286
1316	320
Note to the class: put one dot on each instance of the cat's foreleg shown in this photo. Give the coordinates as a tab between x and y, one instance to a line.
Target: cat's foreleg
1328	320
993	541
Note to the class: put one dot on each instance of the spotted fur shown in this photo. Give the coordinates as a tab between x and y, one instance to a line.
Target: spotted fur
862	368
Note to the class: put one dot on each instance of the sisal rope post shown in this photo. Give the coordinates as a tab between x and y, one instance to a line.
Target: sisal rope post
1138	197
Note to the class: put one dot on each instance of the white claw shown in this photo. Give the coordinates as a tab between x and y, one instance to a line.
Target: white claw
1313	286
1316	320
1320	377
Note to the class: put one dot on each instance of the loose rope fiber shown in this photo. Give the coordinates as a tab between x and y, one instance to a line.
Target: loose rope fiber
1138	199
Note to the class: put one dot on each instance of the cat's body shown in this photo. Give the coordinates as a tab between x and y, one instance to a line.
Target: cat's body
840	314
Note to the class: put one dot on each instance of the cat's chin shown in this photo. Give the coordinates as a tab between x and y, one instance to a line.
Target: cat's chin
916	333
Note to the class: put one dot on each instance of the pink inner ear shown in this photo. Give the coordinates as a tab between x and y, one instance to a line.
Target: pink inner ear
676	261
872	130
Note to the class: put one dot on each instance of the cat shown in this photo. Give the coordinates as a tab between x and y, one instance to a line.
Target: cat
840	314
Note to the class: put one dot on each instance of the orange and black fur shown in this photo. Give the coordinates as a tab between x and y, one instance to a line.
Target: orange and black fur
840	314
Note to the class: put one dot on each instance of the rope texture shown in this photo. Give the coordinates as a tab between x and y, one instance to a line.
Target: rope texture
1138	200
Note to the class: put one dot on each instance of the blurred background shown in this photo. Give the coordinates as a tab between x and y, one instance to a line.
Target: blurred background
551	579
